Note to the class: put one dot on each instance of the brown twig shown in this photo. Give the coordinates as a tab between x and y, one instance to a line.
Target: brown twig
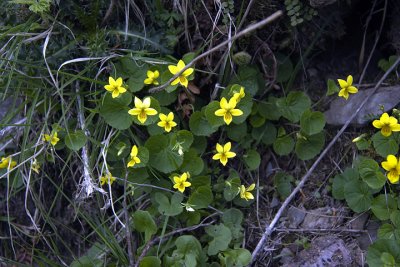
271	227
165	237
249	29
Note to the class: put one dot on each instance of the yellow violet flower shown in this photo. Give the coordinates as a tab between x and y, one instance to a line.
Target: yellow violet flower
228	110
115	86
180	182
35	166
245	192
392	166
7	162
152	77
224	153
239	95
347	87
167	121
52	138
142	109
134	158
107	179
182	79
386	124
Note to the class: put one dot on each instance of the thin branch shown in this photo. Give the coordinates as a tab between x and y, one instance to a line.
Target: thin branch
334	230
127	223
271	227
249	29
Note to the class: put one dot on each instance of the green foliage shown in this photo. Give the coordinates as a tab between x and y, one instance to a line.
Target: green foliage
293	105
76	140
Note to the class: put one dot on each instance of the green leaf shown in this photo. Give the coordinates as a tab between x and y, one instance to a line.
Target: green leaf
285	68
269	109
283	184
384	145
371	174
164	98
235	257
163	158
266	134
115	111
357	195
201	197
232	185
150	261
135	71
293	105
307	147
232	219
383	205
221	237
340	181
382	246
188	252
143	155
312	122
167	207
332	87
386	231
257	120
192	163
76	140
144	223
252	159
250	78
283	145
236	132
199	125
395	218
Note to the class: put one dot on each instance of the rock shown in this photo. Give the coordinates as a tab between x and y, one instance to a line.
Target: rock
295	216
340	109
321	218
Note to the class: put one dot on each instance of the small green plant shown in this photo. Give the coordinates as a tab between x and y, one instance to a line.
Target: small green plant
298	12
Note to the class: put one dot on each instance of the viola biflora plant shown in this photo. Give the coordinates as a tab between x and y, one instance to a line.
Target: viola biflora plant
371	184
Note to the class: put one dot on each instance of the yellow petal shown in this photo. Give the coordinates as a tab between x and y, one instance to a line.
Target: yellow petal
118	82
349	80
173	69
138	103
251	187
228	118
230	154
187	72
227	147
183	81
162	124
184	176
173	124
115	94
393	176
384	118
220	112
342	83
232	103
150	74
131	163
137	160
175	82
167	128
142	117
156	74
249	195
223	160
150	111
219	148
180	65
134	111
146	102
109	88
395	128
352	89
162	117
236	112
148	81
121	90
377	124
187	184
216	156
223	103
170	116
392	121
111	81
134	151
177	179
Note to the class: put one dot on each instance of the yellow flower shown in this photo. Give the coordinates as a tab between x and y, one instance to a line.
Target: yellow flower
35	166
346	87
142	109
224	153
245	192
228	110
134	158
167	121
239	95
392	166
180	182
182	79
115	86
53	139
386	124
108	178
7	162
152	77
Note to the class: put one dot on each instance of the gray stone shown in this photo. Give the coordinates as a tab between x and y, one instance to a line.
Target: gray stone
340	109
321	218
295	216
